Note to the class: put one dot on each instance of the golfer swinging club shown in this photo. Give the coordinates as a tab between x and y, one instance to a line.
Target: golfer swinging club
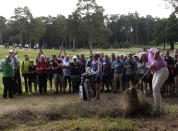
158	67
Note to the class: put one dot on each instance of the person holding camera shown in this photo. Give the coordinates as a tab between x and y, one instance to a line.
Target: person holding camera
8	74
57	67
17	77
32	77
130	71
75	74
24	71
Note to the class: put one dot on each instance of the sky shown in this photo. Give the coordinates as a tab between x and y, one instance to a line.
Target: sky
156	8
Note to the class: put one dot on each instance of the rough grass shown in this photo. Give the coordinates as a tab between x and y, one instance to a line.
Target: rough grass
111	113
112	107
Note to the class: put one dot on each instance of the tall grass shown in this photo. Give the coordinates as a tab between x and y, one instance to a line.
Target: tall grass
113	106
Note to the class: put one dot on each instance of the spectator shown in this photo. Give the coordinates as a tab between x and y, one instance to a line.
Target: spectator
17	78
75	74
170	81
89	61
8	74
82	63
32	77
113	58
118	67
130	70
24	70
50	73
143	71
176	70
106	73
66	71
58	74
41	68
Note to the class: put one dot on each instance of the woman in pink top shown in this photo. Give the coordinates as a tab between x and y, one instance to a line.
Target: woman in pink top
158	67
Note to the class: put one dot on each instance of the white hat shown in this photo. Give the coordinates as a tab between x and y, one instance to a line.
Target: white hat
42	56
141	54
11	51
74	57
6	56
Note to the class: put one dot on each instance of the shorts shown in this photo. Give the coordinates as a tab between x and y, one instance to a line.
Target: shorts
58	77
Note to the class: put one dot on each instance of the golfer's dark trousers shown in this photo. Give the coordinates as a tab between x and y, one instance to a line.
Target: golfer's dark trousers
26	82
8	86
17	81
42	83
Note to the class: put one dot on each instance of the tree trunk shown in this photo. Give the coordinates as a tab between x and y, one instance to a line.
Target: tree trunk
66	42
70	44
91	48
74	44
26	37
164	45
62	42
148	39
136	35
21	39
0	37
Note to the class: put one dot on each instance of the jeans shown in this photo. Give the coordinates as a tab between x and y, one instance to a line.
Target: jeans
8	86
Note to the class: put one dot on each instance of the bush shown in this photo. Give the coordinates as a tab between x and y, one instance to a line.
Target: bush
24	115
106	46
121	45
110	107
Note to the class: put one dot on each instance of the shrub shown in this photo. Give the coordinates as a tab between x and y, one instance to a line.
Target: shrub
106	46
24	115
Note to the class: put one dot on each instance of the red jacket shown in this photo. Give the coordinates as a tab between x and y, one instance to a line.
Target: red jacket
42	64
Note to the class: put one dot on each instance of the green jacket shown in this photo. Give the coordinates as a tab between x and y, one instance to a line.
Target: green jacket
7	69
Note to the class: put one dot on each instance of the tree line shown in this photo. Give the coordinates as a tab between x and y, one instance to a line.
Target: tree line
88	27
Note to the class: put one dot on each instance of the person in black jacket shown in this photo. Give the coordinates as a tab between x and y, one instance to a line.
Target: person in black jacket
170	81
75	70
176	71
32	77
82	62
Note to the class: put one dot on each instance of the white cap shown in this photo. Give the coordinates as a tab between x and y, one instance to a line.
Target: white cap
42	56
141	54
11	51
74	57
